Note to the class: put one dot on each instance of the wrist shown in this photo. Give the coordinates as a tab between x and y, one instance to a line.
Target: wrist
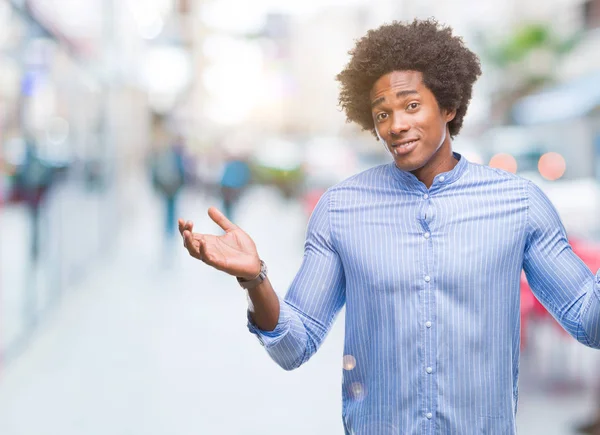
250	282
252	275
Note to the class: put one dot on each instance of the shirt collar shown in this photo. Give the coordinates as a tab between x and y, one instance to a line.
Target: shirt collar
409	182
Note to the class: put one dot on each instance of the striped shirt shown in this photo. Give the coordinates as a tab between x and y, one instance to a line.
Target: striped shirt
431	283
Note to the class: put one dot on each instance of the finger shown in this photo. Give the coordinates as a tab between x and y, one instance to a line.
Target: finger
184	237
198	236
204	256
220	219
183	226
201	244
187	237
191	245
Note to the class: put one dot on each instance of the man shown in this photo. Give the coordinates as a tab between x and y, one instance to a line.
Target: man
234	180
168	178
33	180
425	252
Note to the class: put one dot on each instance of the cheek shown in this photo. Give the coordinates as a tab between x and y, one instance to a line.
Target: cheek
434	126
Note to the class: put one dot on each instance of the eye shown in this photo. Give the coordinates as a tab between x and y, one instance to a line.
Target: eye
381	116
413	106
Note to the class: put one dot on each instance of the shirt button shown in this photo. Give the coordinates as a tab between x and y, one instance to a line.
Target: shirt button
425	196
427	278
429	415
442	179
428	324
427	235
429	370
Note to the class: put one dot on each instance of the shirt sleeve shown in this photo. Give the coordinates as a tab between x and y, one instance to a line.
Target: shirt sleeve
313	300
557	276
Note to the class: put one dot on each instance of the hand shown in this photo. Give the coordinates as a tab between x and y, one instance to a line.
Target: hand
233	252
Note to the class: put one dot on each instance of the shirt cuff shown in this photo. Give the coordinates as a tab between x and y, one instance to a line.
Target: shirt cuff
271	338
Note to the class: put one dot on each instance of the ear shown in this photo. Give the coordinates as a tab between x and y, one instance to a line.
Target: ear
450	114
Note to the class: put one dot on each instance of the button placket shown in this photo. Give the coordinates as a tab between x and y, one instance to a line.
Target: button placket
429	356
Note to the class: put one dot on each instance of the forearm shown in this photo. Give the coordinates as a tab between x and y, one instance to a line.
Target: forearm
290	329
590	318
264	306
279	329
578	312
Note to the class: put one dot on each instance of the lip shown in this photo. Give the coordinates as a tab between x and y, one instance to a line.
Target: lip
405	146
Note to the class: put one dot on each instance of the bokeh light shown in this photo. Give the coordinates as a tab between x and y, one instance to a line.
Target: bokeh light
357	390
504	161
349	362
474	157
552	166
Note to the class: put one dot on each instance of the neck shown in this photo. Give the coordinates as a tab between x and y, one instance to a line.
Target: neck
442	161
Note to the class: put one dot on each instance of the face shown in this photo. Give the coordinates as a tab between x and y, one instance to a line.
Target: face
409	121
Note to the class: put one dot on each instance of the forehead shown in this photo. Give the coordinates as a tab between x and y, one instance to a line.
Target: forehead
397	81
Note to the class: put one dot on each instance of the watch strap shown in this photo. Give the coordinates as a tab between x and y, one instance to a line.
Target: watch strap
251	283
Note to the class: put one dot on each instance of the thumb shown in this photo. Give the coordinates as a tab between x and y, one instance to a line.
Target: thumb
220	219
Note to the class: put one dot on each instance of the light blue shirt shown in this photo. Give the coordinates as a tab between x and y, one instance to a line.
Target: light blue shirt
430	280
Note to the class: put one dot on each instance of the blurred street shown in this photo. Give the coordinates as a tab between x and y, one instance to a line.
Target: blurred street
144	346
141	347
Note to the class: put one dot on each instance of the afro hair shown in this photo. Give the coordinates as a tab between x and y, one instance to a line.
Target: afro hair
448	67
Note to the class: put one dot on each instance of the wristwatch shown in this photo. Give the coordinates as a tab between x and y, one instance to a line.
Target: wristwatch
249	284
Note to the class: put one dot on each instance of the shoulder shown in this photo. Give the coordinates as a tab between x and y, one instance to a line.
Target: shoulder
371	177
495	178
487	172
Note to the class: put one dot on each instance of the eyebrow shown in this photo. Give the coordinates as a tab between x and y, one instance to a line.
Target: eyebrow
398	95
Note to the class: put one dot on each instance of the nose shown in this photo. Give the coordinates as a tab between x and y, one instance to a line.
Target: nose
399	125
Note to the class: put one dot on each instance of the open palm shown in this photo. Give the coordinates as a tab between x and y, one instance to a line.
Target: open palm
233	252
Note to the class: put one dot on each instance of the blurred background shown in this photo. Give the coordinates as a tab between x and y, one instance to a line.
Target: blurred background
117	117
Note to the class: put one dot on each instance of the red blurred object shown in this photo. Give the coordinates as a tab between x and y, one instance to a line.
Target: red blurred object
310	199
531	308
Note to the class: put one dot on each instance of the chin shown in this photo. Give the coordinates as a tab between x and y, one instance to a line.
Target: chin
407	164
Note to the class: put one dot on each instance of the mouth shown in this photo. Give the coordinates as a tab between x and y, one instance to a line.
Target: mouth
404	147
